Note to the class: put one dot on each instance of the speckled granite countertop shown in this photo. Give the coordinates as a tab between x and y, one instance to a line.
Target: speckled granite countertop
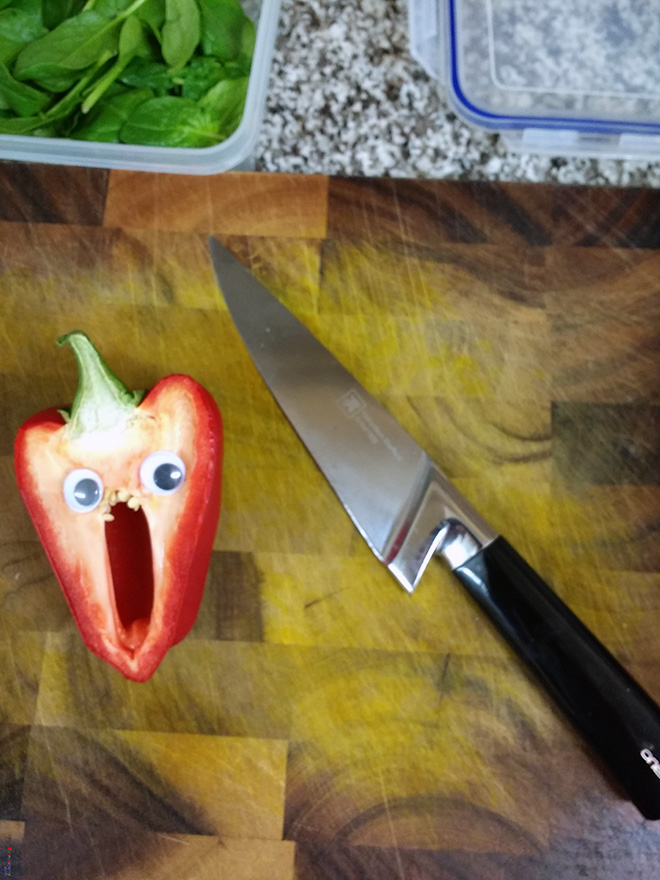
347	98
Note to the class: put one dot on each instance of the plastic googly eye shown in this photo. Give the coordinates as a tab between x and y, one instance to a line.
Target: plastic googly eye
162	473
83	490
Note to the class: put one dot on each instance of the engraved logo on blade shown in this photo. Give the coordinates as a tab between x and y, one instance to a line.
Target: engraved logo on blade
351	403
354	407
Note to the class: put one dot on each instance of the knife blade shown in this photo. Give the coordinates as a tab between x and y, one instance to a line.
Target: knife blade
409	512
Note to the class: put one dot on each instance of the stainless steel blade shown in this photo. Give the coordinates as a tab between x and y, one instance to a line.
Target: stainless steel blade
401	503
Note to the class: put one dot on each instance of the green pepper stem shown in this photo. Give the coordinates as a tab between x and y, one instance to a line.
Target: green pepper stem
102	401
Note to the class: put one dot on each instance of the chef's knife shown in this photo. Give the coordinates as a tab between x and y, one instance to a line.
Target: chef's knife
408	512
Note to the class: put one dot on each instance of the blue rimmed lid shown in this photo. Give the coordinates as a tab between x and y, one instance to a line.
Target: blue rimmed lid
587	65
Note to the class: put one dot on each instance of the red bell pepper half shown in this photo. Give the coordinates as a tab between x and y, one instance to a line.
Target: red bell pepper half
124	492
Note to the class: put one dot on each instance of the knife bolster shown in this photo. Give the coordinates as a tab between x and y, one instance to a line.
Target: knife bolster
436	521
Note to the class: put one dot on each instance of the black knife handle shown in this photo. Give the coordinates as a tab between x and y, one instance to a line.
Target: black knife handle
616	717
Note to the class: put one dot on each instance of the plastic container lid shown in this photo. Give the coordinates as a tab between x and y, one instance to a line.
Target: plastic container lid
579	74
234	152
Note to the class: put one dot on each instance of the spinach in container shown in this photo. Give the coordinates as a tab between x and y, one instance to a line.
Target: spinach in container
156	72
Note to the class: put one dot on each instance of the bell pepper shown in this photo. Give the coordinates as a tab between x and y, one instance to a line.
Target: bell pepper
124	492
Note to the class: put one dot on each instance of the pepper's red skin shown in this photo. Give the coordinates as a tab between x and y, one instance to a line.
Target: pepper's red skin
181	566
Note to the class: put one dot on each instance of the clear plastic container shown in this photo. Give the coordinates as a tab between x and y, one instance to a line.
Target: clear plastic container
560	77
236	152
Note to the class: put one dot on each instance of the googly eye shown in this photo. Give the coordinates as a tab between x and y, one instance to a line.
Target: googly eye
162	473
83	490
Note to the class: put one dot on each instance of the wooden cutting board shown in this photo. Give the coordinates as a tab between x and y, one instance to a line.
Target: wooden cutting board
320	723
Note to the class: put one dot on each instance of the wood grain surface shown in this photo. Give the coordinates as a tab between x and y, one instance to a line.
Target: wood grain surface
319	723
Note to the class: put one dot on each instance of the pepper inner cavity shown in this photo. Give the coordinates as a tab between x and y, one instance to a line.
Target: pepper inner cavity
131	566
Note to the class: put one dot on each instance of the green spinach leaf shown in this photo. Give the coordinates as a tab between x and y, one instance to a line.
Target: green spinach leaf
171	122
22	98
73	46
142	74
32	7
226	102
45	131
18	29
111	8
198	76
57	112
56	11
151	12
133	42
181	32
32	125
248	40
222	28
69	102
104	122
19	124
